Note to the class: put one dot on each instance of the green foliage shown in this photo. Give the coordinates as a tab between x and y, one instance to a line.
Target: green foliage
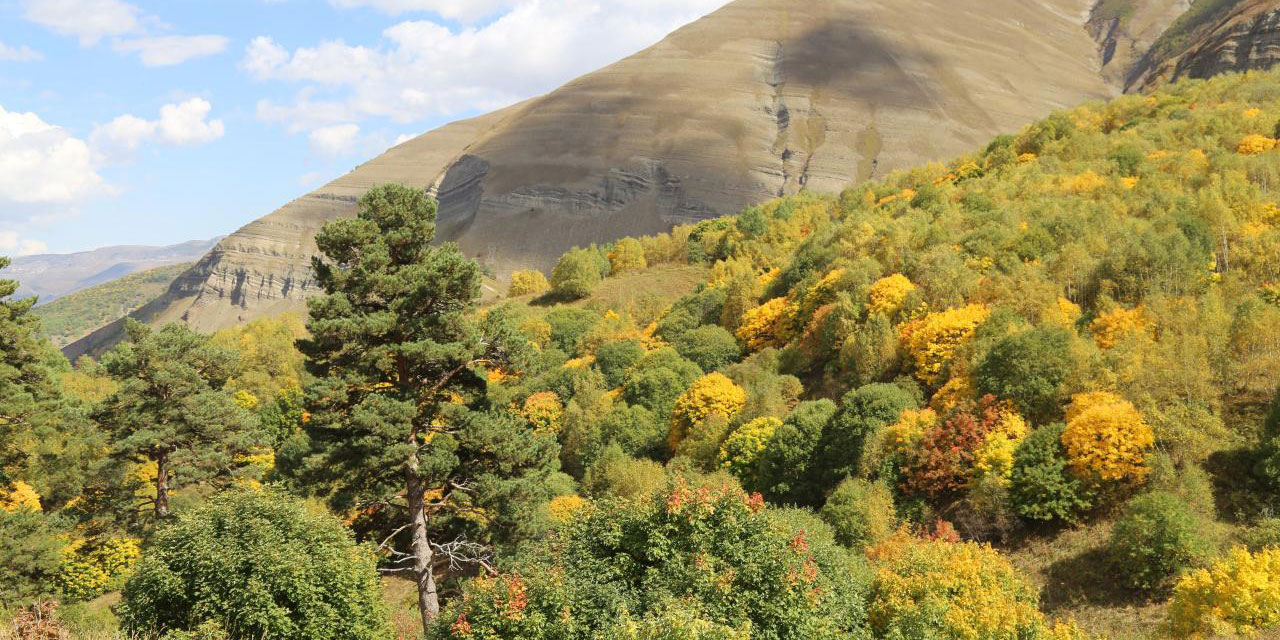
31	554
787	465
860	512
262	565
863	412
657	380
1030	369
1155	538
710	347
77	314
569	325
1042	487
173	408
576	275
614	358
618	572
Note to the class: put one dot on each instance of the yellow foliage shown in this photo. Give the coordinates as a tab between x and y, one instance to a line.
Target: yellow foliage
1252	113
271	363
741	450
528	282
1063	313
544	411
1106	438
887	294
19	496
1027	157
711	395
1087	182
766	325
537	329
90	569
1112	327
904	434
932	341
1255	144
1238	595
1129	182
994	458
959	389
579	363
950	590
564	509
627	255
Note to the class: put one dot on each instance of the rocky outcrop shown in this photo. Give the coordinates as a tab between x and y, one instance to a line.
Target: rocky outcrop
1244	38
1126	29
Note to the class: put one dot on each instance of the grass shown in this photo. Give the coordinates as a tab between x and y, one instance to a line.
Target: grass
643	294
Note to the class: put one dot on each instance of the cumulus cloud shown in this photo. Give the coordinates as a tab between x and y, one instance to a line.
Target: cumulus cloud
43	164
181	124
164	51
423	68
88	20
336	140
21	53
11	244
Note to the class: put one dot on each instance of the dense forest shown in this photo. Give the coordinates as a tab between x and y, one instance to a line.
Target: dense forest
1028	393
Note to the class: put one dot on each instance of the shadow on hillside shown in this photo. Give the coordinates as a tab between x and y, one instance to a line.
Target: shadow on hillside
1086	578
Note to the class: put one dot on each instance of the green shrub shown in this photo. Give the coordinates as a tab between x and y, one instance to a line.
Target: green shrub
1155	538
576	274
613	359
30	554
1029	369
863	412
656	380
710	347
786	466
1041	486
860	512
262	565
569	325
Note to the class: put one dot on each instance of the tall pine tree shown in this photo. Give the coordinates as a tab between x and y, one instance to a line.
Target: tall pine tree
396	407
172	407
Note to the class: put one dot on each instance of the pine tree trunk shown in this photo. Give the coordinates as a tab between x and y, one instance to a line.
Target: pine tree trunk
428	599
162	486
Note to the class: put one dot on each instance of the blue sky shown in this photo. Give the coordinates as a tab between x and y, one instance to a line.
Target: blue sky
157	122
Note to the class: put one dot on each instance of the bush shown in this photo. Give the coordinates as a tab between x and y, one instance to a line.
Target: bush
861	513
786	465
613	359
1238	595
569	325
1029	369
1106	439
656	380
1155	538
261	564
863	412
741	451
627	255
616	474
950	590
576	274
718	552
710	347
1041	486
524	283
712	396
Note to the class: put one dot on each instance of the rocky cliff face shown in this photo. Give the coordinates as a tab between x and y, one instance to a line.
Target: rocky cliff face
1240	36
759	99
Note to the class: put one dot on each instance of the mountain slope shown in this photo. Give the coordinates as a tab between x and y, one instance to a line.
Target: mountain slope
51	276
79	313
754	101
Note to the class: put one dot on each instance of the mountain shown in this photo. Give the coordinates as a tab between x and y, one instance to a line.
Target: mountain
759	99
52	276
79	313
1214	36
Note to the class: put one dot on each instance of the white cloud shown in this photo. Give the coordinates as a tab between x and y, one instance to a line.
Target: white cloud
181	124
422	68
336	140
42	164
464	10
18	54
88	20
11	244
164	51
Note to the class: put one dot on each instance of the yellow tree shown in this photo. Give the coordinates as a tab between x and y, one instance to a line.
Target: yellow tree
933	340
887	294
1106	439
530	282
711	396
627	255
767	325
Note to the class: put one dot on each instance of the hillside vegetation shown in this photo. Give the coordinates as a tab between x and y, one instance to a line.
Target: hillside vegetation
1028	393
75	315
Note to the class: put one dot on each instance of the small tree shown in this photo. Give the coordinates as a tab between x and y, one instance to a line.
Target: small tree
528	282
1030	369
576	275
397	357
172	407
627	255
262	565
1156	537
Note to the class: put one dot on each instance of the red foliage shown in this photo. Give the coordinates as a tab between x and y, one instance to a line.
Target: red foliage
941	464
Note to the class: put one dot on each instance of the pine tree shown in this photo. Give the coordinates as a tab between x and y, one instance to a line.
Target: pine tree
172	407
397	361
29	394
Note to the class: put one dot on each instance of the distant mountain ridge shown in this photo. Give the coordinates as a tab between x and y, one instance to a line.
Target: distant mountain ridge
51	276
759	99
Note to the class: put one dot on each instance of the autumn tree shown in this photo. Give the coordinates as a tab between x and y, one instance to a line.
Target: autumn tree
172	407
396	359
627	255
576	274
1106	439
527	282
